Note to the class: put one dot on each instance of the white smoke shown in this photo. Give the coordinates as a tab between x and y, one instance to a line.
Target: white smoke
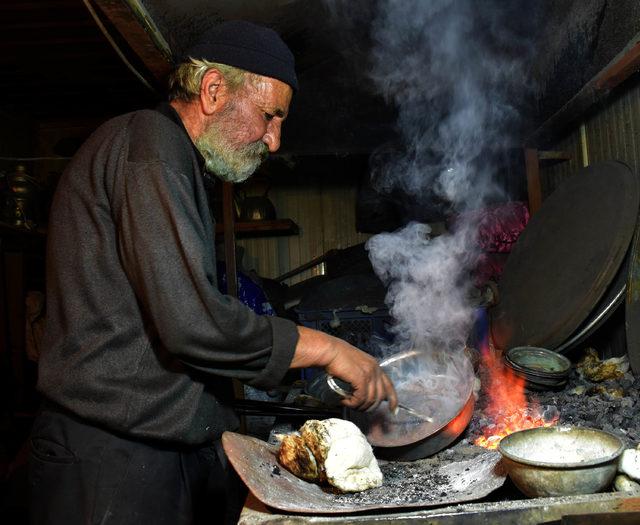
450	67
427	291
444	65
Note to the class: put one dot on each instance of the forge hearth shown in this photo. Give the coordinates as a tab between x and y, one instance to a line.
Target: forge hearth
612	405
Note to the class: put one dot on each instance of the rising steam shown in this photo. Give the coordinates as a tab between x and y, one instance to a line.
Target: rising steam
453	69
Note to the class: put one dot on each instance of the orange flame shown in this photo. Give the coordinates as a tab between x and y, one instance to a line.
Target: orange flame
507	405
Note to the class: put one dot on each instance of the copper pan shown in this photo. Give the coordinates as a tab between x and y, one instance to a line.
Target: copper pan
440	386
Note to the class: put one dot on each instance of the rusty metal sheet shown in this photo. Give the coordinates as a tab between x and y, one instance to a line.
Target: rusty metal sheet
566	257
422	483
517	512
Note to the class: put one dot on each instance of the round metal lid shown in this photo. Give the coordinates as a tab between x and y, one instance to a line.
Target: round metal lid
566	257
632	306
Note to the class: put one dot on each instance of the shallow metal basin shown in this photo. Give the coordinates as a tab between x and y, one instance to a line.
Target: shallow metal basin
559	461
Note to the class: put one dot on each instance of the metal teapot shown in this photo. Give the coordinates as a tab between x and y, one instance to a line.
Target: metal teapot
254	207
19	199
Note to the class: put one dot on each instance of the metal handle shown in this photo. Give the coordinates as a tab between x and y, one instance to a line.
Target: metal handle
328	389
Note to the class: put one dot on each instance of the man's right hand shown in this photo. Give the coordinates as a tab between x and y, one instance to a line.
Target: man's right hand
370	384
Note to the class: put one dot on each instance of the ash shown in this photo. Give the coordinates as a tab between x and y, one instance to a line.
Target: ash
407	483
612	405
404	483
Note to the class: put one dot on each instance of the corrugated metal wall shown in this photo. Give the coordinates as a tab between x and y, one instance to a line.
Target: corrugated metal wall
325	213
611	132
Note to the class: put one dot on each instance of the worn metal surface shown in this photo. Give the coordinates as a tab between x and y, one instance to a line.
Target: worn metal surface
519	512
435	440
566	257
610	302
406	485
420	384
423	382
632	306
611	132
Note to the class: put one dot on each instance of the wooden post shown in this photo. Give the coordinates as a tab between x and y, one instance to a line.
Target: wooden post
229	219
229	238
534	189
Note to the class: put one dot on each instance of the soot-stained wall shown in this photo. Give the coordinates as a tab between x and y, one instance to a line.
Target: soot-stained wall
577	40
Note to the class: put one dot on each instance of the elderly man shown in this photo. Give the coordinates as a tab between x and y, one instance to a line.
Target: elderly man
141	347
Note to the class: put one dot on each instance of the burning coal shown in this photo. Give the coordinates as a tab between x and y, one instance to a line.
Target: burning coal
507	407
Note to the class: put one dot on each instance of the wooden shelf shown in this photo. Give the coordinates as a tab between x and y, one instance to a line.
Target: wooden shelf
273	228
10	229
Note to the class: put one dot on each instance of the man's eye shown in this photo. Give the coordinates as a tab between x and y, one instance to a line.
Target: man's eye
268	116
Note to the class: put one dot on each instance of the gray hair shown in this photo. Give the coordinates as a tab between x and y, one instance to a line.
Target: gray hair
185	80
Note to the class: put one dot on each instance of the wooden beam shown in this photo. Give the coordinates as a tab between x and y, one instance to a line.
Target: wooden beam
554	155
138	30
534	189
625	64
274	228
621	69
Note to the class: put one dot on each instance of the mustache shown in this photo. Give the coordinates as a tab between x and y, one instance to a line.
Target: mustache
257	149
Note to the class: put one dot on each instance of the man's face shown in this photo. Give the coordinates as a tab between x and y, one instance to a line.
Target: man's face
240	137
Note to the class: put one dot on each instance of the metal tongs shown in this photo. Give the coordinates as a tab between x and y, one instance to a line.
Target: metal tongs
331	390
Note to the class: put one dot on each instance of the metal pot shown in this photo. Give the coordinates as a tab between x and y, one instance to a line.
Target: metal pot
434	440
438	385
255	207
561	461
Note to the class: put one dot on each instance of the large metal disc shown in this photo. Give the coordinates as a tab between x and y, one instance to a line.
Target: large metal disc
566	257
632	306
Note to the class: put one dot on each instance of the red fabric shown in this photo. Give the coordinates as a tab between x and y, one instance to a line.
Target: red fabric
498	229
498	226
489	267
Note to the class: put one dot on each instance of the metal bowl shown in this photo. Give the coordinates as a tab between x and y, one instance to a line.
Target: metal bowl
559	461
536	382
538	362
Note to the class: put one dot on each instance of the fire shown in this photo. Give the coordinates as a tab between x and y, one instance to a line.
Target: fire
507	406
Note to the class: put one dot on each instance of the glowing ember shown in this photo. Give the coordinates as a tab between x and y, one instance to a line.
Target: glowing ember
507	405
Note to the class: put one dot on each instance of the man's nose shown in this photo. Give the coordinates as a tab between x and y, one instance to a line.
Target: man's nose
272	136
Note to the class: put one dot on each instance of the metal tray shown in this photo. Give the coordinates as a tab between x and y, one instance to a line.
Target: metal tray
422	483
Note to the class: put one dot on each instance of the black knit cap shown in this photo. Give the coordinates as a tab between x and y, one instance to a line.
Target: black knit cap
247	46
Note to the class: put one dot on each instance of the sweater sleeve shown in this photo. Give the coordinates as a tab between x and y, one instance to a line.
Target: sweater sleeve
167	251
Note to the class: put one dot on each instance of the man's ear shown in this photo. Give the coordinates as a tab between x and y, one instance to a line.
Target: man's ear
213	92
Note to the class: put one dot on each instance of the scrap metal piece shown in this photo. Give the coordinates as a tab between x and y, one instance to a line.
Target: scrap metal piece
594	369
520	512
422	483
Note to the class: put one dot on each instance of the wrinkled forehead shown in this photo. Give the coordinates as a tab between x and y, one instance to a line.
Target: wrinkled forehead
270	94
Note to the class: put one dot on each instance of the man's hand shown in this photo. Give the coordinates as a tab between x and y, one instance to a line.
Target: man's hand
370	384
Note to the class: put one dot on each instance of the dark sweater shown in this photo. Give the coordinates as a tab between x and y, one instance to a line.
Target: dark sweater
139	340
